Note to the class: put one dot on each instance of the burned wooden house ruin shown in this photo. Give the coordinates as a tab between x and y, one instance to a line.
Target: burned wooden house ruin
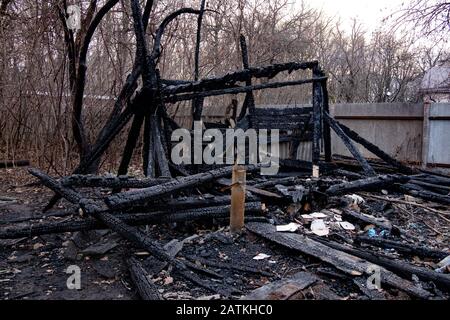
356	202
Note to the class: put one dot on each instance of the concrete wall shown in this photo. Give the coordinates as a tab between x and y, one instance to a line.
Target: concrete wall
394	127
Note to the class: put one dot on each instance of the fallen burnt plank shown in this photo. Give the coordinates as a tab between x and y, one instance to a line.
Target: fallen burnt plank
440	279
366	219
221	265
14	163
350	146
343	261
135	219
128	232
283	289
146	288
372	183
130	198
405	248
424	194
374	149
442	181
445	190
252	189
93	181
282	112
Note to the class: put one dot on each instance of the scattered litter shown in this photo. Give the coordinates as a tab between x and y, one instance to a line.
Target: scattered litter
319	228
355	199
291	227
261	256
347	225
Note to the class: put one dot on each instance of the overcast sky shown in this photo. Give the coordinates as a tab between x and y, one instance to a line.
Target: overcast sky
369	12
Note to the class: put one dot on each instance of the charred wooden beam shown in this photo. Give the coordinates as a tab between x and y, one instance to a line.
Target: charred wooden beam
133	219
231	79
130	145
374	149
326	126
444	190
148	160
128	232
400	267
249	101
124	199
93	181
403	247
424	194
316	119
366	219
230	266
236	90
350	146
159	152
146	288
197	104
372	183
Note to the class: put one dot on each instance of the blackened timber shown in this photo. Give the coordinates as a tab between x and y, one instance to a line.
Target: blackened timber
374	149
130	145
93	181
197	104
404	248
372	183
249	101
326	126
236	90
133	219
158	149
148	160
317	119
445	190
399	267
128	232
424	194
125	199
350	146
365	219
239	76
140	277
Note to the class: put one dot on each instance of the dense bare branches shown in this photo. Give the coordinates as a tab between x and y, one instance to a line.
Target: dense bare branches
48	72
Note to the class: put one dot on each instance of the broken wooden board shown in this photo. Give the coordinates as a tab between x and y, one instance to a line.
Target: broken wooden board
283	289
340	260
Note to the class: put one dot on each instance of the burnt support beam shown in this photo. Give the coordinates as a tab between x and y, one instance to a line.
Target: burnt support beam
372	183
350	146
374	149
124	199
249	101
